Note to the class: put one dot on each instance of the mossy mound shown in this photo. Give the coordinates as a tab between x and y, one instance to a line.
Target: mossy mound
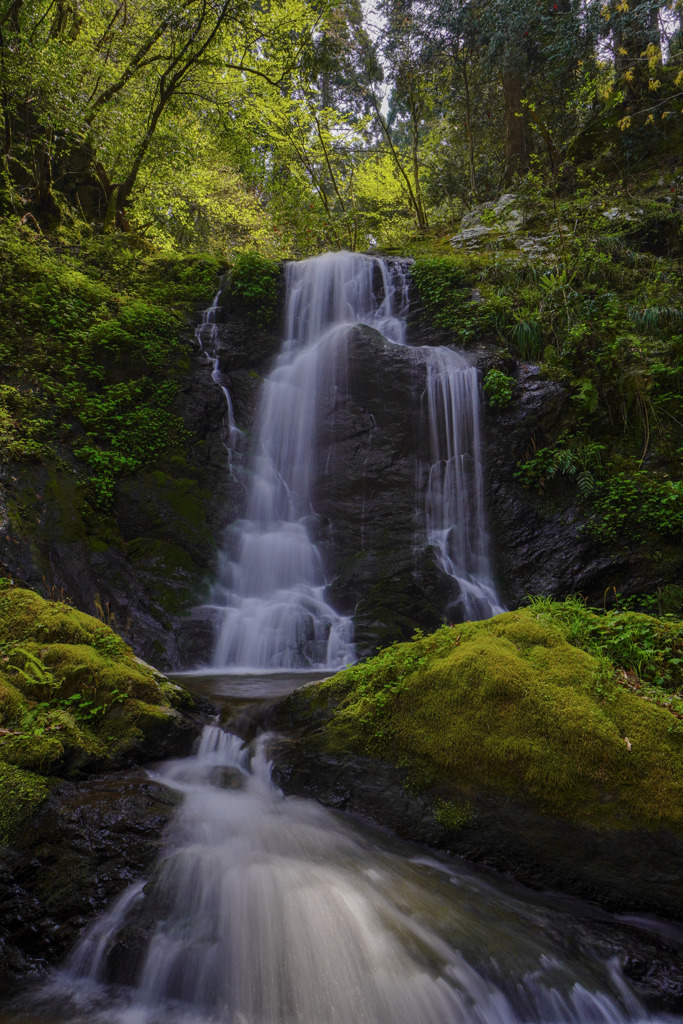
73	696
510	707
22	792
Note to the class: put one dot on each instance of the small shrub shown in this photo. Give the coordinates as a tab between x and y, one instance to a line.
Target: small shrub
253	284
498	387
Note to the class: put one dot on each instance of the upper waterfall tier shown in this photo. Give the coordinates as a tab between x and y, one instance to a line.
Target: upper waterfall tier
276	613
317	414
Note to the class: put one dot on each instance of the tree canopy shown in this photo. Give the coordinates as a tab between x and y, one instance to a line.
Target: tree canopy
296	125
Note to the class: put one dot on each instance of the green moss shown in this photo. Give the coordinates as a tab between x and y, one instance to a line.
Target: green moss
93	369
11	703
25	615
453	815
650	647
72	693
22	793
510	706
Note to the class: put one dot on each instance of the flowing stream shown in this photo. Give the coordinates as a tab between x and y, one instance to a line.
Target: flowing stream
272	910
274	610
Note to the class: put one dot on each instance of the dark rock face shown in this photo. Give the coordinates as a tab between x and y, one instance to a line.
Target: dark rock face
87	843
367	454
154	558
368	458
539	545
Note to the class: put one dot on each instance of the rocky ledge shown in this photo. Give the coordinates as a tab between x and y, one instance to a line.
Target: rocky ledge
77	822
502	742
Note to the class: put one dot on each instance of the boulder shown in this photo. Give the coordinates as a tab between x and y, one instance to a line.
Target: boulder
504	743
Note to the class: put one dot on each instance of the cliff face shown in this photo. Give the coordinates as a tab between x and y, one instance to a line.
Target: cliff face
143	565
542	540
148	564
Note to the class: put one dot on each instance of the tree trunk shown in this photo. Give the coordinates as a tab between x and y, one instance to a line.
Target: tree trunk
633	31
516	148
468	129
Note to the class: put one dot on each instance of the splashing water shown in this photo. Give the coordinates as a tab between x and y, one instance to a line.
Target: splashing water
266	910
273	609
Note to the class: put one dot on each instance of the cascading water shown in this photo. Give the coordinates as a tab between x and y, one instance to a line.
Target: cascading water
276	614
266	910
206	335
273	609
455	510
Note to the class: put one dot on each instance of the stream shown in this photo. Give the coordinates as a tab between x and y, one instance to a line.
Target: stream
265	909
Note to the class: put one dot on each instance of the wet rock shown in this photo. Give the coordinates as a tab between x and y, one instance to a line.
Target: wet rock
368	453
88	842
640	875
540	543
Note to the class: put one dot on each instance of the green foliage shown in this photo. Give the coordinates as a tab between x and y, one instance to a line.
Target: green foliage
650	647
442	282
525	335
576	458
92	368
633	505
658	321
253	284
498	387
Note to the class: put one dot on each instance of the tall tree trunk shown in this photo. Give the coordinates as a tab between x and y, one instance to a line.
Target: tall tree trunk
415	110
516	147
633	31
468	128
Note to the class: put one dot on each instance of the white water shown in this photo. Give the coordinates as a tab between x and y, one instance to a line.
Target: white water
454	502
266	910
206	335
276	614
272	605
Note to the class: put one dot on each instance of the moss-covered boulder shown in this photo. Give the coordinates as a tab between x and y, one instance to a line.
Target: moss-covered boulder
506	741
74	698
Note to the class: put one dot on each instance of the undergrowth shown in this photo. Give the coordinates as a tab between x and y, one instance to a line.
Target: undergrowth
91	351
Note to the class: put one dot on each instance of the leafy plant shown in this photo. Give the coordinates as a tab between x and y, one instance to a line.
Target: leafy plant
633	504
576	458
651	648
498	387
253	283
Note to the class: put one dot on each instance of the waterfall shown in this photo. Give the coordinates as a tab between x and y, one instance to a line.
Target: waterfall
455	512
272	603
275	613
271	910
206	336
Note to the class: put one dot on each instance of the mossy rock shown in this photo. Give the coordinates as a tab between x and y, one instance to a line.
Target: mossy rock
22	793
510	706
73	696
505	742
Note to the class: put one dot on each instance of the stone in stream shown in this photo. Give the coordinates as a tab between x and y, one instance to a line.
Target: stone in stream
88	841
502	742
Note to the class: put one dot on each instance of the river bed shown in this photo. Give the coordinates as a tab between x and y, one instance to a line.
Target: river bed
265	909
